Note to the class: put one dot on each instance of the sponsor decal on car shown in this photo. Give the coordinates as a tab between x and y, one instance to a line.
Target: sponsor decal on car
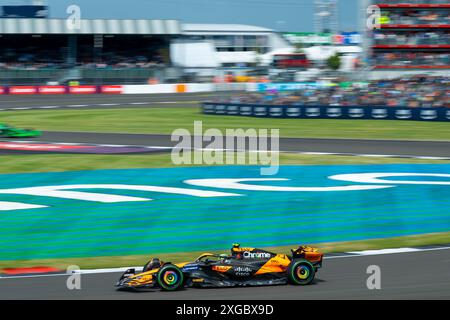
256	255
221	268
243	271
188	268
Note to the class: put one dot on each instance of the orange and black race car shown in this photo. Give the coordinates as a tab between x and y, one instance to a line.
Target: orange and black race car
244	267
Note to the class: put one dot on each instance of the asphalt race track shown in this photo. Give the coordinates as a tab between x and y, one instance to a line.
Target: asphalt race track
341	146
105	101
415	275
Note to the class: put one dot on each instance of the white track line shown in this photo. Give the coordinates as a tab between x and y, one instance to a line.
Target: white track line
108	270
385	252
35	276
251	151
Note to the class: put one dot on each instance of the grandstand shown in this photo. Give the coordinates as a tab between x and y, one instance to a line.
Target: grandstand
414	37
100	51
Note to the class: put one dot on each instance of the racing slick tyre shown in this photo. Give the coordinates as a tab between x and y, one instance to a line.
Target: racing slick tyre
301	272
170	278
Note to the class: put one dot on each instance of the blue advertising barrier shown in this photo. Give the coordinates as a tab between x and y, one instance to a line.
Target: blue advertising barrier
328	112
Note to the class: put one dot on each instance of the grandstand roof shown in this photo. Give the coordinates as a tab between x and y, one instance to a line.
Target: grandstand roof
94	26
212	28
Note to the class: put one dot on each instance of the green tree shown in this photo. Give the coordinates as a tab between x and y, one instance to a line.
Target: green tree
334	62
299	47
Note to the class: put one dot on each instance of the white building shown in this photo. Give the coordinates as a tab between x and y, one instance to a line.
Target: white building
236	45
230	45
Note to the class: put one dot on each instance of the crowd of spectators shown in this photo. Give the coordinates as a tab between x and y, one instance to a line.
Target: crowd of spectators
125	63
411	59
412	37
419	91
29	59
413	17
410	1
138	62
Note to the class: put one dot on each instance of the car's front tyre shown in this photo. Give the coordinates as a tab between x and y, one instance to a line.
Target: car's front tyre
170	278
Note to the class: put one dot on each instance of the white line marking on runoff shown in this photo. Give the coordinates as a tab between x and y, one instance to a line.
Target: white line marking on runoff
366	253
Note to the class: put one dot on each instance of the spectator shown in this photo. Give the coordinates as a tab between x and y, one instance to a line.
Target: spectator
418	91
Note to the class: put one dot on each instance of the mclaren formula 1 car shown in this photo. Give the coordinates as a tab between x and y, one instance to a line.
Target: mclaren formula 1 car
244	267
11	132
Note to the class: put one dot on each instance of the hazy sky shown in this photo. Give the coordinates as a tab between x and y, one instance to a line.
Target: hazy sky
281	15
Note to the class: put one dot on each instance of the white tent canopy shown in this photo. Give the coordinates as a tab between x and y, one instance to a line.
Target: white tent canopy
316	53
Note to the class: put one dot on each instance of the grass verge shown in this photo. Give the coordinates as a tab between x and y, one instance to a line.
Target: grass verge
124	261
165	120
59	163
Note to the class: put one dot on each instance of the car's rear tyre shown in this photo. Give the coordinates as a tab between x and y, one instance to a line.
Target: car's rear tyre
301	272
170	278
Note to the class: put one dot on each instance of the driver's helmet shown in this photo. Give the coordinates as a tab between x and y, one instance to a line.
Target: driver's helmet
155	263
236	251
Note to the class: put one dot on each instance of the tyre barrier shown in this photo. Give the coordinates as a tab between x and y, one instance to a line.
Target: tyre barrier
328	112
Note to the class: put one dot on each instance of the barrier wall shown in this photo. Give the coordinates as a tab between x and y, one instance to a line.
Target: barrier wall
29	90
125	89
327	112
